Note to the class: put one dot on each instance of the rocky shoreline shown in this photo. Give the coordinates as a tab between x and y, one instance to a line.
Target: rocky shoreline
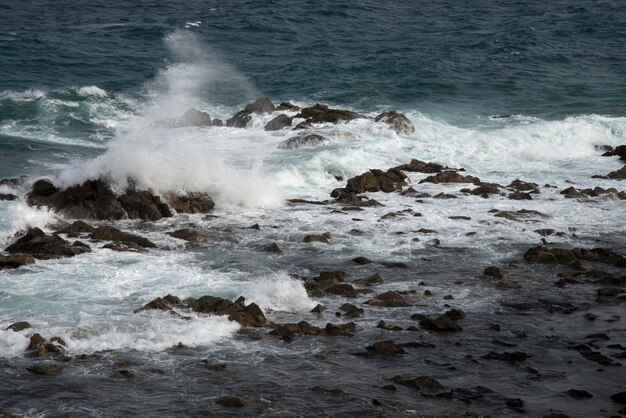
573	289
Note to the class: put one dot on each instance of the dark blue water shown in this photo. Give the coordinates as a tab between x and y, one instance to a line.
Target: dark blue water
548	59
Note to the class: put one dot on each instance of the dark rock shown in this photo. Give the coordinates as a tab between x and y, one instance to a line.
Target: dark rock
522	186
190	203
15	261
272	248
7	197
287	331
512	357
239	120
579	394
386	327
494	272
362	260
218	122
318	309
515	404
540	255
351	310
144	205
450	177
279	122
260	106
343	289
42	246
287	106
45	369
590	317
321	113
397	121
417	166
18	326
166	303
302	141
340	329
484	190
194	117
391	299
108	233
425	385
619	397
520	196
618	174
376	180
232	402
370	281
442	323
455	314
385	348
43	187
77	228
325	237
448	297
187	234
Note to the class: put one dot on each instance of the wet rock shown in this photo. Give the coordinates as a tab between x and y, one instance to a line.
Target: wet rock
44	247
187	234
448	297
166	303
442	323
126	374
218	122
77	228
494	272
18	326
540	255
239	120
522	186
384	348
484	190
260	106
321	113
619	397
15	261
387	327
618	174
460	218
391	299
232	402
425	385
370	281
318	309
362	260
272	248
455	314
510	357
417	166
516	215
450	177
287	106
7	197
601	255
397	121
579	394
288	331
444	196
590	317
303	141
324	238
45	369
343	289
108	233
43	187
351	311
190	202
520	196
279	122
377	180
144	205
515	404
345	330
194	117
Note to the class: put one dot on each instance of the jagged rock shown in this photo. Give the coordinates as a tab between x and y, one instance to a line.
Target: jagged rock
484	190
325	237
7	197
516	215
41	246
190	203
540	255
351	310
239	120
391	299
601	255
370	281
318	309
523	186
279	122
287	106
15	261
376	180
345	330
18	326
520	196
321	113
383	325
579	394
618	174
166	303
397	121
108	233
187	234
218	122
417	166
260	106
450	177
362	260
619	397
144	205
272	248
77	228
494	272
343	289
301	141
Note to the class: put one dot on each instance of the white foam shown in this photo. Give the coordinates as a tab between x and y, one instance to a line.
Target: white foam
26	95
12	343
279	293
92	91
16	216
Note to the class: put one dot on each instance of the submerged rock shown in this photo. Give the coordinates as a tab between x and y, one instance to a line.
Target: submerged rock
425	385
301	141
384	348
15	261
279	122
397	121
45	369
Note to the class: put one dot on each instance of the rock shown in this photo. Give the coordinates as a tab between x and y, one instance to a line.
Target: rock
194	117
166	303
15	261
397	121
18	326
384	348
340	329
232	402
108	233
512	357
455	314
260	106
540	255
343	289
321	113
376	180
318	309
239	120
279	122
77	228
619	397
618	174
303	141
522	186
190	203
425	385
579	394
45	369
590	317
389	299
218	122
272	248
288	331
44	247
601	255
43	187
442	323
516	215
287	106
515	404
520	196
362	260
450	177
370	281
351	310
386	327
417	166
494	272
7	197
144	205
187	234
448	297
325	237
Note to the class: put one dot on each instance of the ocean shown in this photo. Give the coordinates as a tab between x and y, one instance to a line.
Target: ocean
523	89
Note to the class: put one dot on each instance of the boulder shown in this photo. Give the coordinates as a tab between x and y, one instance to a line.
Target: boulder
442	323
417	166
18	326
260	106
321	113
15	261
377	180
618	174
287	106
190	203
396	121
108	233
45	369
232	402
351	310
303	141
194	117
7	197
41	246
494	272
76	228
325	237
187	234
279	122
619	151
288	331
450	177
391	299
523	186
425	385
345	330
384	348
370	281
239	120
